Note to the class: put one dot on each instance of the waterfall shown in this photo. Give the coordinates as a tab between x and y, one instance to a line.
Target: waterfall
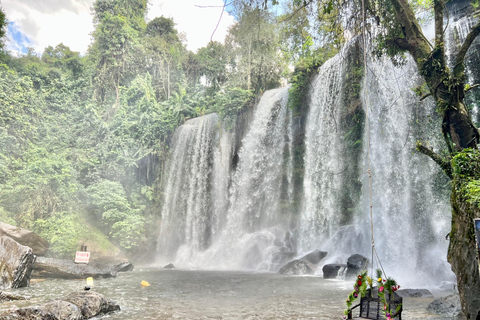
409	193
230	197
187	215
217	216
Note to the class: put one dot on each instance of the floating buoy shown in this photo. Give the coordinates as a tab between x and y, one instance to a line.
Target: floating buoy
145	283
90	281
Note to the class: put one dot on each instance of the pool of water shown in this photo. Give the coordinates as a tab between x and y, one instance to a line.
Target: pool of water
188	294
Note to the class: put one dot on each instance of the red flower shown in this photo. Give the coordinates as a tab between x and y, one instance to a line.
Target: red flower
359	282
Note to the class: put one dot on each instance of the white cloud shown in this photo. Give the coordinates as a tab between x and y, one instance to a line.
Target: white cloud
197	23
50	22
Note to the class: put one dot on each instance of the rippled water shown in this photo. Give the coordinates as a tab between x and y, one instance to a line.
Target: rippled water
184	294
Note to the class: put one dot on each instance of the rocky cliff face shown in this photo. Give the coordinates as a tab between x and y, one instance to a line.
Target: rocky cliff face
16	264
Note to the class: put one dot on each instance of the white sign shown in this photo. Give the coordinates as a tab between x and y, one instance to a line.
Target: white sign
82	257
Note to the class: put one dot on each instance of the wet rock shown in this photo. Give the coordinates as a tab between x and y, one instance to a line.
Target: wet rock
330	271
169	266
58	268
314	257
75	306
123	267
414	293
356	263
25	237
447	306
16	264
296	267
8	296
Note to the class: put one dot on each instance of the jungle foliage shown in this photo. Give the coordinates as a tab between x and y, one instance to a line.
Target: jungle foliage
84	138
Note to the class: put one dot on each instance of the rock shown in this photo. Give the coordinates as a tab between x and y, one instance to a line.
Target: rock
16	264
58	268
8	296
296	267
25	238
169	266
314	257
123	267
356	263
330	271
91	303
447	306
75	306
414	293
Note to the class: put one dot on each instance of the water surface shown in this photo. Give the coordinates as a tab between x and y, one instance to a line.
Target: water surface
186	294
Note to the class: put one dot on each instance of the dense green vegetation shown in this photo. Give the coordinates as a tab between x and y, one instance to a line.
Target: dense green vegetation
83	138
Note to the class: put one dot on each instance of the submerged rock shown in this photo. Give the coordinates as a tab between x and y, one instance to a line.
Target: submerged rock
16	264
75	306
330	271
58	268
8	296
448	306
296	267
414	293
25	237
356	263
123	267
169	266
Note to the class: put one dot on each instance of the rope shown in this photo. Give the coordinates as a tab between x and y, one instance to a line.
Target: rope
369	171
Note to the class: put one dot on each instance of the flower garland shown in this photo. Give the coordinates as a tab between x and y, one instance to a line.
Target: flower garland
358	289
384	285
389	285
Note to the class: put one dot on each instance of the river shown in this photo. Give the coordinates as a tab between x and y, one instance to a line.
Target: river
189	294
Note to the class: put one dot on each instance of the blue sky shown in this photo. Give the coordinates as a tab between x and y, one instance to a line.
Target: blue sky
17	41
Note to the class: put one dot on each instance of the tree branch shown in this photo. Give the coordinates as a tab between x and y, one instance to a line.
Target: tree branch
472	87
459	69
443	163
438	7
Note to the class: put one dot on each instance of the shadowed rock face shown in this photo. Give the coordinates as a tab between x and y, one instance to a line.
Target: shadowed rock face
16	264
25	237
75	306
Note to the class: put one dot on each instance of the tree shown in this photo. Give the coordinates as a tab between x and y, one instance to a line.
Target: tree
3	27
118	25
253	45
164	54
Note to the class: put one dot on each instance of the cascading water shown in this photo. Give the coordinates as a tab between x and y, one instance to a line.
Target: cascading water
410	200
239	214
229	199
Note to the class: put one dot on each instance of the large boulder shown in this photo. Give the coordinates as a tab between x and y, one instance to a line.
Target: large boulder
356	263
16	264
75	306
25	237
296	267
448	306
330	271
66	269
415	293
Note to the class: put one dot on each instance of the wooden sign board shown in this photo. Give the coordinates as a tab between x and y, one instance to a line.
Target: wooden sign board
82	257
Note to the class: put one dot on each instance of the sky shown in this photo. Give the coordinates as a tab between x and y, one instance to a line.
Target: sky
42	23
